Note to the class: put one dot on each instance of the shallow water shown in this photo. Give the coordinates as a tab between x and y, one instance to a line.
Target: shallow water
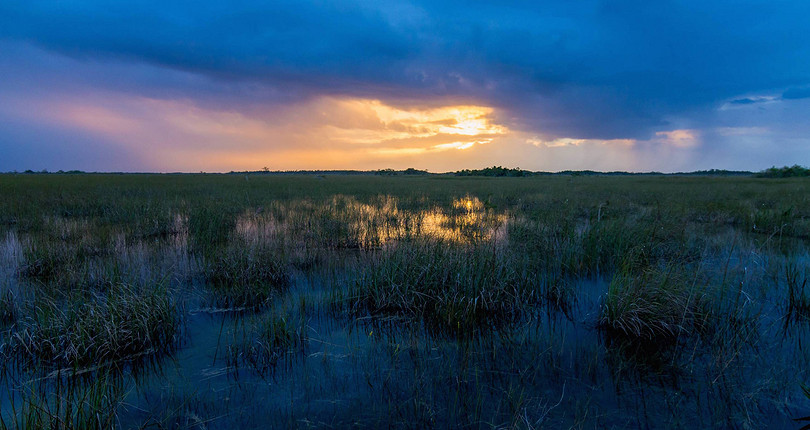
552	368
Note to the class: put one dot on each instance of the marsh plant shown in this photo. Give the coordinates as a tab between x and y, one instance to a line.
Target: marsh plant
9	311
264	341
80	331
449	287
657	305
57	403
428	300
247	278
798	301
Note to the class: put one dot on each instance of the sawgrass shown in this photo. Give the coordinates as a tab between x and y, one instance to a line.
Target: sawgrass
84	330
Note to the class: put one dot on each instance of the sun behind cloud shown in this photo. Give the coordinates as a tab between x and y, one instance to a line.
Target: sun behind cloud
325	132
431	129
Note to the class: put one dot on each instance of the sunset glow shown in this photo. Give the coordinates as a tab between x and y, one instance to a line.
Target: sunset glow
430	85
404	214
342	130
465	125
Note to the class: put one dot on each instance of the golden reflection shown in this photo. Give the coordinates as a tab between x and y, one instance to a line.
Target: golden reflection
469	220
345	222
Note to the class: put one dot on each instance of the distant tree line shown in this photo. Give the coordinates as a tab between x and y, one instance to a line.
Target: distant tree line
408	171
71	172
495	171
500	171
794	171
266	171
717	172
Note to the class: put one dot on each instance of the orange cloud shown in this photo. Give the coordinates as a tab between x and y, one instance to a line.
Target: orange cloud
327	132
566	141
337	133
682	138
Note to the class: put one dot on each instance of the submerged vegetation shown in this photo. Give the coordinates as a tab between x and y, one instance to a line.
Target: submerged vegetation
798	301
403	300
266	341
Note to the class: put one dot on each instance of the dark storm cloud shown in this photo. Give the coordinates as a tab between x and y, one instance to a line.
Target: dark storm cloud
584	69
749	101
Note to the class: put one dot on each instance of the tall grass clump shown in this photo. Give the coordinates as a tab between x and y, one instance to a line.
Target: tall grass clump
88	330
652	239
449	287
605	243
555	249
65	266
210	226
9	311
46	264
654	306
266	341
247	278
553	253
55	403
798	301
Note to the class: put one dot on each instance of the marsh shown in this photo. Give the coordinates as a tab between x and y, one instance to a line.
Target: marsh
220	301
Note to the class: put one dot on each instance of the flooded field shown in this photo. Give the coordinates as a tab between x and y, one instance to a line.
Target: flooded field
232	301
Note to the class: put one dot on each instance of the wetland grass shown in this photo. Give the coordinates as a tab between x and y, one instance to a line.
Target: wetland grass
264	341
246	279
655	305
60	404
460	289
9	311
798	301
83	331
478	301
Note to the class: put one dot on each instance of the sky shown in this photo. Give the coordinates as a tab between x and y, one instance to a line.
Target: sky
441	85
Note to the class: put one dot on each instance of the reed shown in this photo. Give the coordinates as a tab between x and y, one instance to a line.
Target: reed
264	342
462	289
84	330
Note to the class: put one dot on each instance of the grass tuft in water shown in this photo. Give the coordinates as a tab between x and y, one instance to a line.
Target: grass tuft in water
86	331
798	301
266	341
9	311
460	289
655	305
44	265
247	278
66	404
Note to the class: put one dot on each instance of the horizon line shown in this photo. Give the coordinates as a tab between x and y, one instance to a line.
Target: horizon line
410	170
